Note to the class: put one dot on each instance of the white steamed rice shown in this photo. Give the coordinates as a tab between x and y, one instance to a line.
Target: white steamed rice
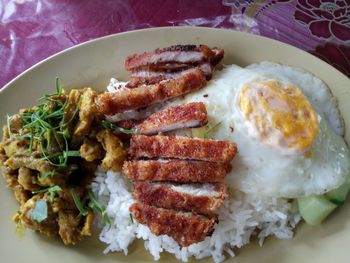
241	217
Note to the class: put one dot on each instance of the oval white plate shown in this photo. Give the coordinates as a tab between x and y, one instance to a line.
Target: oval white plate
93	64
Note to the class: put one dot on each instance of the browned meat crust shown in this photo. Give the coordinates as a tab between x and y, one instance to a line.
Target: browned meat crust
179	171
164	196
182	147
217	57
172	118
151	79
181	54
112	103
185	228
155	73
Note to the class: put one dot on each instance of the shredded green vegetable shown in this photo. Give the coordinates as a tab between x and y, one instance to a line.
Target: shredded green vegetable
47	125
82	209
96	205
8	121
42	175
111	126
93	203
131	218
210	130
51	190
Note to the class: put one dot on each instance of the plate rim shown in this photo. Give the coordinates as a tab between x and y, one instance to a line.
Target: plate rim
238	33
165	28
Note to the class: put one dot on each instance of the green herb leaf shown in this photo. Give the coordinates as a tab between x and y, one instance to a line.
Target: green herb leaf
42	175
131	218
82	209
51	190
46	125
97	206
111	126
58	87
8	122
210	130
39	213
72	153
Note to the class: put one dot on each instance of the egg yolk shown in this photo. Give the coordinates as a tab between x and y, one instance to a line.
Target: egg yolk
281	115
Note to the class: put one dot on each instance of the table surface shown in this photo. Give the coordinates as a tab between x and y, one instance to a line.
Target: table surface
31	30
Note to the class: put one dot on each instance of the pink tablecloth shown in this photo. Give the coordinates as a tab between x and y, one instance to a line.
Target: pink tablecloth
31	30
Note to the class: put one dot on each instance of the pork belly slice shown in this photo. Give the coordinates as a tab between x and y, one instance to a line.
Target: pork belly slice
179	171
179	54
185	228
131	99
197	198
172	118
159	146
153	74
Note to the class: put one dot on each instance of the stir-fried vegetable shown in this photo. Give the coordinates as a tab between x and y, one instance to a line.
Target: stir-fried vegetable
93	203
82	209
46	124
52	191
50	152
97	206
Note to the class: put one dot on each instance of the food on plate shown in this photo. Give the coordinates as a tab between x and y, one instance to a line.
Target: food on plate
189	115
185	228
283	120
131	99
181	147
291	159
166	58
49	153
195	162
197	198
155	201
162	64
175	170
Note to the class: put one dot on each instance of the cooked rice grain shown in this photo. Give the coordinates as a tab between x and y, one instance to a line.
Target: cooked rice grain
241	217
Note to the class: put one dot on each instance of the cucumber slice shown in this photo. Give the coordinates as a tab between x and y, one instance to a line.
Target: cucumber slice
314	209
339	195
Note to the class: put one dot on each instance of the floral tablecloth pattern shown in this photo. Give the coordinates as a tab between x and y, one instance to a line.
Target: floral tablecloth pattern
31	30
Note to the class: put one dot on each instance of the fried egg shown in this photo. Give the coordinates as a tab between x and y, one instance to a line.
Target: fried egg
286	125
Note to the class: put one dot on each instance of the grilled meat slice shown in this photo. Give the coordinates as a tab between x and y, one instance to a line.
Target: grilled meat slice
182	148
179	54
112	103
217	57
173	118
197	198
149	75
179	171
185	228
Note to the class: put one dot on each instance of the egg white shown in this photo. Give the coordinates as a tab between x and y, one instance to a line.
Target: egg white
259	168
